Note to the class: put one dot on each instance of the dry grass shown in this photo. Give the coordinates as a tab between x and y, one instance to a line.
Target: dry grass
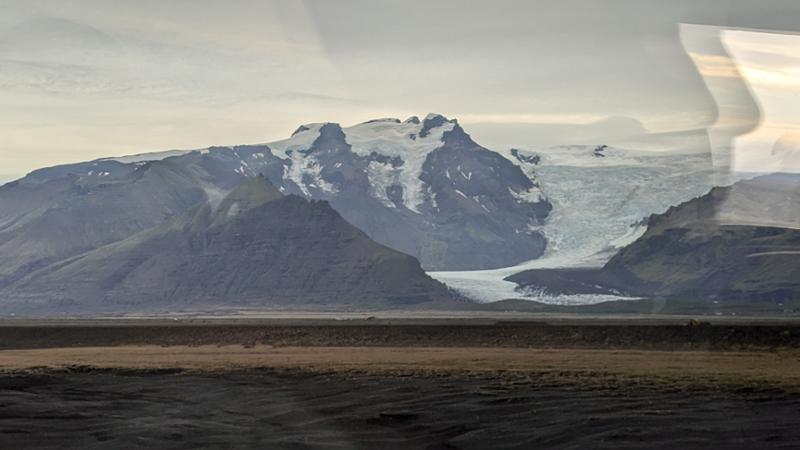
674	367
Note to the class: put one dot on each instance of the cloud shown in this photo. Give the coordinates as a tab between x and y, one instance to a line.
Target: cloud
85	78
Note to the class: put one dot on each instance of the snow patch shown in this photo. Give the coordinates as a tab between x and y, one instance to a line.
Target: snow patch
233	210
384	137
382	176
214	195
144	157
302	167
402	140
300	141
532	195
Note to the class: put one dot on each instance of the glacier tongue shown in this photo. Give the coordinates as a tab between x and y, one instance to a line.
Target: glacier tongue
599	203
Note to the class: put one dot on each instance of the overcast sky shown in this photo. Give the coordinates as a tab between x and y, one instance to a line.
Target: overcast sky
81	79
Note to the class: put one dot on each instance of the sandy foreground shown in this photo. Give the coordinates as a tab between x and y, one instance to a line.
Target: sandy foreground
410	385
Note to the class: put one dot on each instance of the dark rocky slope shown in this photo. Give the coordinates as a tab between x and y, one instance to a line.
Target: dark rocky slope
60	212
257	248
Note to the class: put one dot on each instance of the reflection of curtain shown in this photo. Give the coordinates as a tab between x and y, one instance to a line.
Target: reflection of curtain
747	138
737	111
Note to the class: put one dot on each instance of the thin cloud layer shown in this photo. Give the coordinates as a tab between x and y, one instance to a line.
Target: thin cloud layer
95	78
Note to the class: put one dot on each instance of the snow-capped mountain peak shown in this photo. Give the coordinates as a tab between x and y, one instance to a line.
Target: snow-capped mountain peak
423	187
396	152
302	139
407	145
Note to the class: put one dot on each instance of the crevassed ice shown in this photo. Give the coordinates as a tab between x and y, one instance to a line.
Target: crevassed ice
598	207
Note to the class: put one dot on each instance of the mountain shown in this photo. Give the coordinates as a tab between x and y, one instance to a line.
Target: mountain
601	194
59	212
255	248
423	187
740	242
601	197
786	151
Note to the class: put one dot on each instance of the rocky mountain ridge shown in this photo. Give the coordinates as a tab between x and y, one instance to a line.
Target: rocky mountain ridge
423	187
255	249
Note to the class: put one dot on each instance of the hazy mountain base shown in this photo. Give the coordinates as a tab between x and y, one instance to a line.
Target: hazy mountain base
657	306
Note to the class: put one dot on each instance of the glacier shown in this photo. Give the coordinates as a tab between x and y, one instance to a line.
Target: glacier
601	199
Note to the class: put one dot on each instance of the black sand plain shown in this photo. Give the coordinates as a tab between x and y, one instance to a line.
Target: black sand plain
386	398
